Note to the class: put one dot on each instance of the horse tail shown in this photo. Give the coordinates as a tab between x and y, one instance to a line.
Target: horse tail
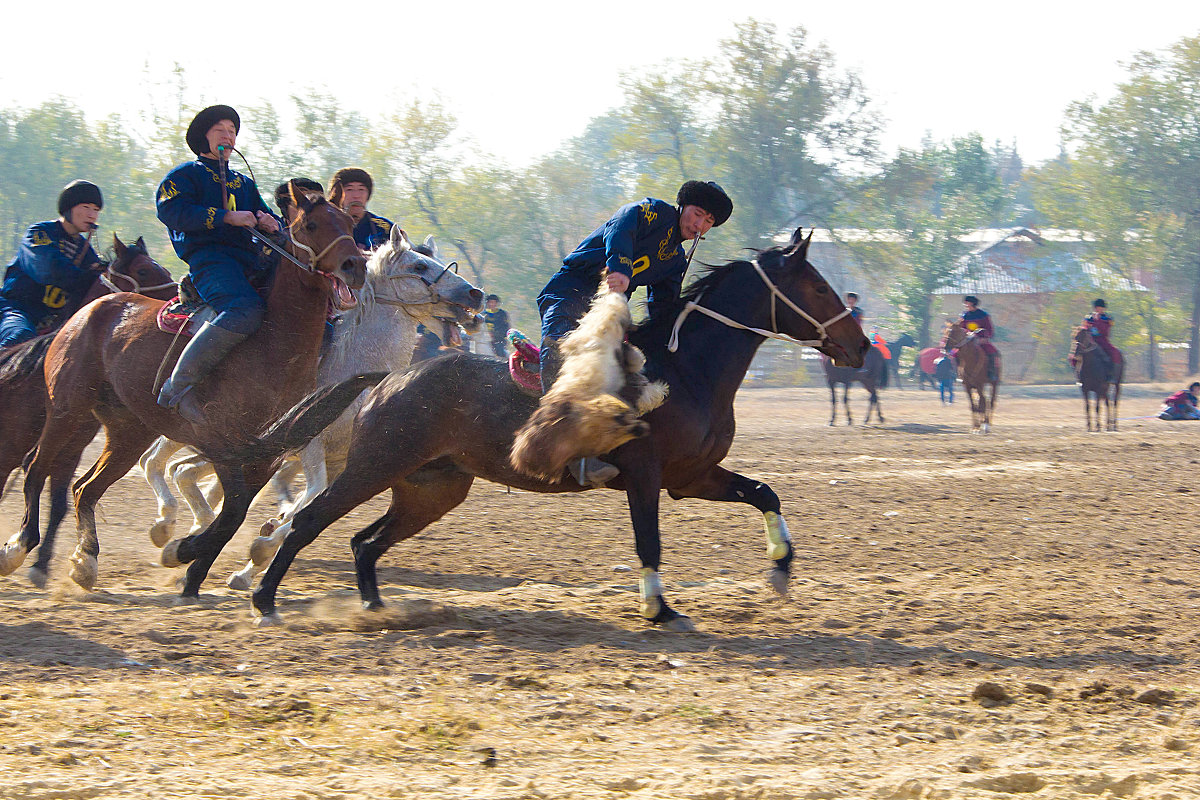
305	421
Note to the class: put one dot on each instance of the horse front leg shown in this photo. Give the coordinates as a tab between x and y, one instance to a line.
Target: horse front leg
846	403
832	404
724	486
643	484
1087	409
187	474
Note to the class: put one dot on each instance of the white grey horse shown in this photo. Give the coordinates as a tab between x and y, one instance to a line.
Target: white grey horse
405	286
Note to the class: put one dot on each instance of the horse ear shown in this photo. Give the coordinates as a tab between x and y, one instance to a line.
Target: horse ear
798	244
433	248
119	247
797	238
141	243
299	196
400	241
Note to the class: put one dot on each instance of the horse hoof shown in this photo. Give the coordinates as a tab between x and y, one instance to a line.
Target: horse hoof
186	600
777	579
170	554
160	532
83	570
269	527
37	576
262	550
680	624
238	582
372	605
272	620
12	555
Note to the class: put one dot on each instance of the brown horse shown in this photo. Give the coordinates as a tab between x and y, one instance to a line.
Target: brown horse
23	379
1091	372
973	372
105	362
427	433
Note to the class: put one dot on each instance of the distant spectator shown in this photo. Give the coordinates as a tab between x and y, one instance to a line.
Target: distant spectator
495	319
852	303
1184	404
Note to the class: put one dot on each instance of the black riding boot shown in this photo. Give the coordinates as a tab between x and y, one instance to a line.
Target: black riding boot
203	352
550	362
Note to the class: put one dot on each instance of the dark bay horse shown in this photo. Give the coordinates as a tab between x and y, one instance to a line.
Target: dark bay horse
1091	372
23	379
104	365
897	347
973	372
427	433
873	375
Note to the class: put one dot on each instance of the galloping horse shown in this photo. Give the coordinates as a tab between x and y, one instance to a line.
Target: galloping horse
972	371
428	451
104	363
1091	371
873	376
23	378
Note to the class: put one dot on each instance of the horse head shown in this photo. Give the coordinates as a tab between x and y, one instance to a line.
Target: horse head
810	309
321	238
133	270
418	279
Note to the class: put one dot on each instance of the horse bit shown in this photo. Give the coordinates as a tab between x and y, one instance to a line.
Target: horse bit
693	305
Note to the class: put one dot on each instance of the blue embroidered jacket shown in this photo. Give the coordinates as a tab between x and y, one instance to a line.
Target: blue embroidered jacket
496	323
642	241
189	204
372	230
43	281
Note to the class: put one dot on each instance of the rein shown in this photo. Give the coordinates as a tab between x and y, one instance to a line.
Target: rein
314	257
109	278
694	305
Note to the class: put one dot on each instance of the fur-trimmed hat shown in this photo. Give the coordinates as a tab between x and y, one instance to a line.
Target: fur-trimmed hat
707	195
197	132
77	192
283	194
1099	302
349	175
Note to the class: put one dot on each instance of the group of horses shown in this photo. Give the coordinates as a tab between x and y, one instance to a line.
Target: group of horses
1099	380
424	433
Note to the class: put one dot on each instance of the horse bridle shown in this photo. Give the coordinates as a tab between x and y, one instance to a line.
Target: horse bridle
314	258
776	294
110	276
431	285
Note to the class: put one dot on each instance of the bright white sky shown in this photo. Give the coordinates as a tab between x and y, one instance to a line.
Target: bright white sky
523	76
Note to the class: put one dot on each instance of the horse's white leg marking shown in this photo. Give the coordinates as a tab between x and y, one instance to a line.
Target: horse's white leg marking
187	474
154	465
777	535
12	555
650	589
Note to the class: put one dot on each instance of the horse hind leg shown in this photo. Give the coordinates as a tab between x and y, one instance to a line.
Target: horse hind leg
154	466
187	474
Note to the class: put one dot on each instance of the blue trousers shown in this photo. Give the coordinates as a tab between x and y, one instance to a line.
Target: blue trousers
221	276
15	326
560	315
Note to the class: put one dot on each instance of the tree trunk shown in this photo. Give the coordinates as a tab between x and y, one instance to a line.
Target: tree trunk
1194	330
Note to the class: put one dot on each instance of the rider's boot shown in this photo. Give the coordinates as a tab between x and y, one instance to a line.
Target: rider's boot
586	471
992	373
203	352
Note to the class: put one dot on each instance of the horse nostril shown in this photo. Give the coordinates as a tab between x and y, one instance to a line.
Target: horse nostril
476	298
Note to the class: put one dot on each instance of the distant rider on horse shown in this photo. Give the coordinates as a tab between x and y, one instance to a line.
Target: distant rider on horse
54	267
208	209
1099	325
640	245
856	313
978	323
350	190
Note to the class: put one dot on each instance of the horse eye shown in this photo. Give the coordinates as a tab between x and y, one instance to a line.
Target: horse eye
420	266
310	226
822	290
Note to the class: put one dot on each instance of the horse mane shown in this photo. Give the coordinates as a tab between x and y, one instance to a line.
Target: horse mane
656	331
22	360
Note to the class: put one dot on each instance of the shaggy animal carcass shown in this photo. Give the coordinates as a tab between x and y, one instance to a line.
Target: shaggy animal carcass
596	401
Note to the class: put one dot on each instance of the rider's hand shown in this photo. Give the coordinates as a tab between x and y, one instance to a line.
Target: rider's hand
267	223
240	219
616	282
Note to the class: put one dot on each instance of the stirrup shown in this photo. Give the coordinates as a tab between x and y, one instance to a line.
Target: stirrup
593	472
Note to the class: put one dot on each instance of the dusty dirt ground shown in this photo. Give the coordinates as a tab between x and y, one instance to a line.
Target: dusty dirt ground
971	617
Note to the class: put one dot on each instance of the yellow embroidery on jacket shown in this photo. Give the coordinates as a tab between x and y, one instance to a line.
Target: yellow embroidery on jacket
641	264
54	297
648	212
211	220
663	255
168	191
40	238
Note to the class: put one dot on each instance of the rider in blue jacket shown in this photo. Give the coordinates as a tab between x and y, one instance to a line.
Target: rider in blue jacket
350	190
640	245
53	269
208	220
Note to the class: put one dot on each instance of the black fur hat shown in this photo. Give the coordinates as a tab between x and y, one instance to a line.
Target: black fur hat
707	195
77	192
1099	302
972	299
197	132
349	175
283	195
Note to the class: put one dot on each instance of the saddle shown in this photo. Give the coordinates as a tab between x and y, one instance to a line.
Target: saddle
524	365
186	312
